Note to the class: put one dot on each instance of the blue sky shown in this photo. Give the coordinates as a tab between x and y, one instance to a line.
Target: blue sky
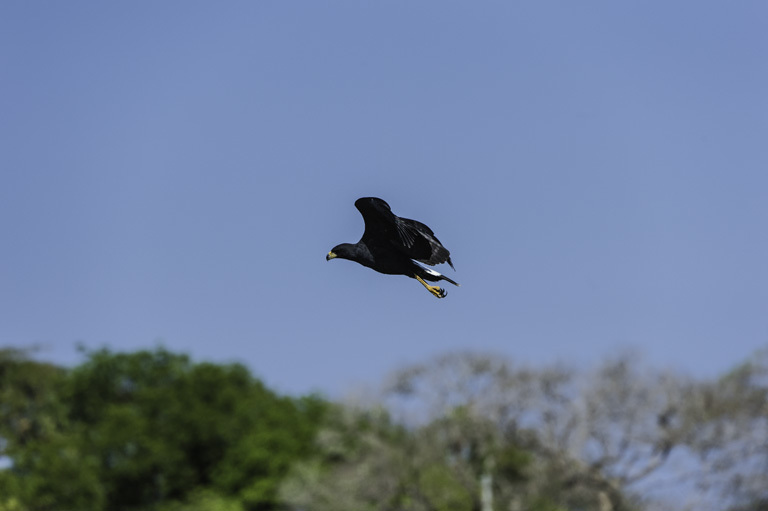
175	172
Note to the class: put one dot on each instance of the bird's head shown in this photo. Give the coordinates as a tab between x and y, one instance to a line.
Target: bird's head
344	251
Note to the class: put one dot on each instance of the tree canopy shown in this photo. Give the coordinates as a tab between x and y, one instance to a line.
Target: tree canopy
139	430
154	430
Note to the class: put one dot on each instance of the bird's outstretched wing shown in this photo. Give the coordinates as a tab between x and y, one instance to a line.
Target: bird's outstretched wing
421	244
410	237
380	222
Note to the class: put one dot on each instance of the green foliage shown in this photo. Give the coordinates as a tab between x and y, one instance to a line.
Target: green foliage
361	464
544	503
29	406
50	469
58	473
443	490
365	461
154	431
138	431
204	500
11	504
512	462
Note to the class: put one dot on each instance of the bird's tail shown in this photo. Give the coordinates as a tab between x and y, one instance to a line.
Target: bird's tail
432	275
443	277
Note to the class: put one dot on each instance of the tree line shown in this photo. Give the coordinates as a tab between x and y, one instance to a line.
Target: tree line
154	430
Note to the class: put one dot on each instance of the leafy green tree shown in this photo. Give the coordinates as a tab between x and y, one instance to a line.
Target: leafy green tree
140	431
49	467
29	406
152	430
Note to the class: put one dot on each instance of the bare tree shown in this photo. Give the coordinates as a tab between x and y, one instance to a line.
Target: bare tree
478	432
726	426
578	428
620	429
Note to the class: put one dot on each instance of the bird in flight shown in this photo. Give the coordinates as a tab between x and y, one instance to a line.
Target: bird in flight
395	246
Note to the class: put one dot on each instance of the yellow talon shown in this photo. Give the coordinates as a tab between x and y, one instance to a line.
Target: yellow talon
435	290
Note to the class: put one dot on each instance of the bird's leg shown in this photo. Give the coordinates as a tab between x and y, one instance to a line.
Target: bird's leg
435	290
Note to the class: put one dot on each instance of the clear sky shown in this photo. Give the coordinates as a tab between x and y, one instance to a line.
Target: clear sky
175	172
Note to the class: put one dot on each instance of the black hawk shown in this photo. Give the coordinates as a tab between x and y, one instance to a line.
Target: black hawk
395	246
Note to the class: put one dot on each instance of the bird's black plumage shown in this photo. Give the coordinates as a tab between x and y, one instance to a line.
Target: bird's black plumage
393	245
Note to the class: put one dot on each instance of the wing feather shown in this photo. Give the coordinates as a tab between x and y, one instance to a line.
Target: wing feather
409	237
424	247
380	222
